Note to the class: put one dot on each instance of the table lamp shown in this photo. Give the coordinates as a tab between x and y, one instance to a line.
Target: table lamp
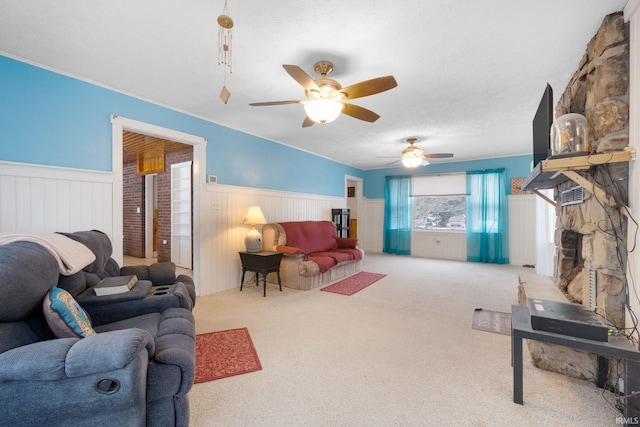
253	240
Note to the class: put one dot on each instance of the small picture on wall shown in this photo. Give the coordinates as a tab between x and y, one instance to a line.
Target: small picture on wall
351	191
516	186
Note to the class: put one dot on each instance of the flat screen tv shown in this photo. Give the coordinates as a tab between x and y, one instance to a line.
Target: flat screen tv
542	122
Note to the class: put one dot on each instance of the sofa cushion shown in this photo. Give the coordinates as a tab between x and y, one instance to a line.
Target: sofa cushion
328	259
288	250
311	236
346	242
353	253
64	315
325	263
28	272
15	334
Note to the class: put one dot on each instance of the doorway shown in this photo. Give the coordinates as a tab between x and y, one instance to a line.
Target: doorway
157	199
354	194
198	146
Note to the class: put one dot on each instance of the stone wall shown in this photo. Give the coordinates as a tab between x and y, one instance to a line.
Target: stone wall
590	237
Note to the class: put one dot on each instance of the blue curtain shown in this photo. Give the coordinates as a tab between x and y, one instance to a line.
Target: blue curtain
397	215
487	231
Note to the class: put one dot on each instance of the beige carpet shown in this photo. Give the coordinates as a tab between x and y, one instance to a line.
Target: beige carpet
399	354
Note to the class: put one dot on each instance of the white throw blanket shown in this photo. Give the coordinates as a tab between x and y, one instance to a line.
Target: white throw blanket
72	256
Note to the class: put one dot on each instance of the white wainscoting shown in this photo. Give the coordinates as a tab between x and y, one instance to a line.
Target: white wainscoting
522	229
35	198
545	234
440	245
222	236
372	225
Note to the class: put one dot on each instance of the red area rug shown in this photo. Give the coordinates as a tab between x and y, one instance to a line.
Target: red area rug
224	354
353	284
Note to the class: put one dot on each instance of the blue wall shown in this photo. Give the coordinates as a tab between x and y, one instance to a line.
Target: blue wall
515	167
51	119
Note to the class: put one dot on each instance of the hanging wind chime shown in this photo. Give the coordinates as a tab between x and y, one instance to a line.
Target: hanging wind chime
225	56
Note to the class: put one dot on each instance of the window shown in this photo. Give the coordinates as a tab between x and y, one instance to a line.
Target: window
440	202
439	212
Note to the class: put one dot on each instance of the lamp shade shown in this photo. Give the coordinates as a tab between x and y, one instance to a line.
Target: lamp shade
323	110
411	161
412	156
254	216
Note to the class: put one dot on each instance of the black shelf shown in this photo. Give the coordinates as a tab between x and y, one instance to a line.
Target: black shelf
341	218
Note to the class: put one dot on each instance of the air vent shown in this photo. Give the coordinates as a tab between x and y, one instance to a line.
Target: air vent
572	196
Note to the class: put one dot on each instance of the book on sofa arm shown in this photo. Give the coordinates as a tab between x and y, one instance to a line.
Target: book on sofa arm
115	285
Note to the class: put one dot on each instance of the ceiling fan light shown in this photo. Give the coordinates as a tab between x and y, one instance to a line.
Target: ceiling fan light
411	161
323	110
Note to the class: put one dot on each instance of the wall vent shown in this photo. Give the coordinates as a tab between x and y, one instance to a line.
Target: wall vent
212	179
572	196
592	288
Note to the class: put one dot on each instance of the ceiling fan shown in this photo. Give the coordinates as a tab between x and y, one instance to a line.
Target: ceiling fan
413	156
326	98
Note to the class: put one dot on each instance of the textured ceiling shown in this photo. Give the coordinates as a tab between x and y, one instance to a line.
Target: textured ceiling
470	73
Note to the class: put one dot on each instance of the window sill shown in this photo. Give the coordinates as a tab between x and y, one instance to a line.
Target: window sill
439	230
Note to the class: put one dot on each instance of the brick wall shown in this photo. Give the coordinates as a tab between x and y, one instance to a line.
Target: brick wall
134	197
132	221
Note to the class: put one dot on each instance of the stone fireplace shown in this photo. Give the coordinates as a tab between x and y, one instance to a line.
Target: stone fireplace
591	236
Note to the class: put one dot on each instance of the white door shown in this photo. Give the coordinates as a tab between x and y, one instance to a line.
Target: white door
181	214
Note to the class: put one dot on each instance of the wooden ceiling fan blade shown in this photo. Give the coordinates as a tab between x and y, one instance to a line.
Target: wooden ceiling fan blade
264	104
369	87
299	75
360	113
307	122
392	163
437	155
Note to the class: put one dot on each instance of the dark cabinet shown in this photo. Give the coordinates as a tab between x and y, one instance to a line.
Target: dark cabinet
341	218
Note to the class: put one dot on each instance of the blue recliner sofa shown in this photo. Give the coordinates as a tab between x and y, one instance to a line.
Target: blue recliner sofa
134	371
158	285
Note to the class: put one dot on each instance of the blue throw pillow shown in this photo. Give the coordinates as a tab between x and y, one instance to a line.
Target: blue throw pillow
64	315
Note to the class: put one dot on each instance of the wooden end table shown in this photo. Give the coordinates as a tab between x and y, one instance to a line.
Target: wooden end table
262	262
